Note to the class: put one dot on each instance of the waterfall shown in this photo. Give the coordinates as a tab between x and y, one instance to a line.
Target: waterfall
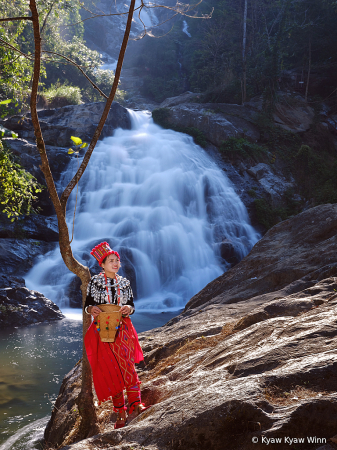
185	28
163	204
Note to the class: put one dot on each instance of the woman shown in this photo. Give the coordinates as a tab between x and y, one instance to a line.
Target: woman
113	363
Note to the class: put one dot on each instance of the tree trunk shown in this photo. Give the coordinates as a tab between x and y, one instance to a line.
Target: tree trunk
309	70
87	410
244	54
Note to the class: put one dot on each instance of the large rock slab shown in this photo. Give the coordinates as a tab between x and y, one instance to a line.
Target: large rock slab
35	226
20	307
217	384
251	360
17	256
220	121
217	121
59	124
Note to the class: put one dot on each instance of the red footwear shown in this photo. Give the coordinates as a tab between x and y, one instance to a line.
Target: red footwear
141	410
120	425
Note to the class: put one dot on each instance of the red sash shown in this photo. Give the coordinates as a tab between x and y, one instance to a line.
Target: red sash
113	363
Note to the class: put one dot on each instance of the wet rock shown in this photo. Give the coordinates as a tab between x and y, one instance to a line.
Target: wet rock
19	307
229	253
36	227
17	256
59	124
8	281
217	121
74	293
274	185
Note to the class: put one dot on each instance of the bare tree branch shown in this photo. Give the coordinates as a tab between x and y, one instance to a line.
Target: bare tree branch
11	19
46	18
80	69
11	47
70	61
66	193
10	62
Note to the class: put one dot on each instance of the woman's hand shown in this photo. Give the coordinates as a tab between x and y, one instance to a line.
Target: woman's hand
94	311
125	310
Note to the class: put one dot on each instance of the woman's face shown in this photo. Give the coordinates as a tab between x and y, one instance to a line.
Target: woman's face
111	265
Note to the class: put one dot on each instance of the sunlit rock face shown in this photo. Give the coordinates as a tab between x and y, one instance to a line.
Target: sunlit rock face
252	357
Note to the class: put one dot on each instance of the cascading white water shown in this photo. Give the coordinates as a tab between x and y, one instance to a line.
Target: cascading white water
160	201
185	29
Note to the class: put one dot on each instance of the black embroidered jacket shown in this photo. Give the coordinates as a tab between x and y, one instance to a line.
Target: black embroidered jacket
97	291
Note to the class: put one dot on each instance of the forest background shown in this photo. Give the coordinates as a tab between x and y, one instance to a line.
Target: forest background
247	48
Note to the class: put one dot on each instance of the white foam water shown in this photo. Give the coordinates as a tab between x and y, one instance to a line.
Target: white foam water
160	200
27	437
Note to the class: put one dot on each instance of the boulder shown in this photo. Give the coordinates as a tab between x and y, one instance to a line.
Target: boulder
8	281
17	256
275	186
292	112
20	307
59	124
186	97
216	384
34	226
220	121
217	121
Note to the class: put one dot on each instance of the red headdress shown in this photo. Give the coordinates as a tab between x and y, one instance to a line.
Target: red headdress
101	251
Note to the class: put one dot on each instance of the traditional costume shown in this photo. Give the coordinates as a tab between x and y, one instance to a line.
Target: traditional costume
113	363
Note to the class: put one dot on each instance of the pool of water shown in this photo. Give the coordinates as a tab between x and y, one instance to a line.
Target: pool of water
34	360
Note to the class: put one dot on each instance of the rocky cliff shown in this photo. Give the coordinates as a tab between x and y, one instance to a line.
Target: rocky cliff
251	361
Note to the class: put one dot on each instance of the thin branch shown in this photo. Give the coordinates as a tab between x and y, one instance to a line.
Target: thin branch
70	61
45	19
11	47
181	9
66	193
11	19
10	62
80	69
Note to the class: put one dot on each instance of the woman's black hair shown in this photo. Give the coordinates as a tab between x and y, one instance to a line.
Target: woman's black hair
103	262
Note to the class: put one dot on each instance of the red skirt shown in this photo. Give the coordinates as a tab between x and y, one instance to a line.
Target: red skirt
113	363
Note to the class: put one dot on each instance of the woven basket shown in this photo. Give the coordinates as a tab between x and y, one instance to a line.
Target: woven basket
108	322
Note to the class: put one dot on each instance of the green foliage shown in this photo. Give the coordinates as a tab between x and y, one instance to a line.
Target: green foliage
61	95
236	148
62	33
268	216
317	175
252	193
161	117
210	61
18	188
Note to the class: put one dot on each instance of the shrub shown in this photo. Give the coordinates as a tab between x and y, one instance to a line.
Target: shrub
235	148
61	95
17	187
